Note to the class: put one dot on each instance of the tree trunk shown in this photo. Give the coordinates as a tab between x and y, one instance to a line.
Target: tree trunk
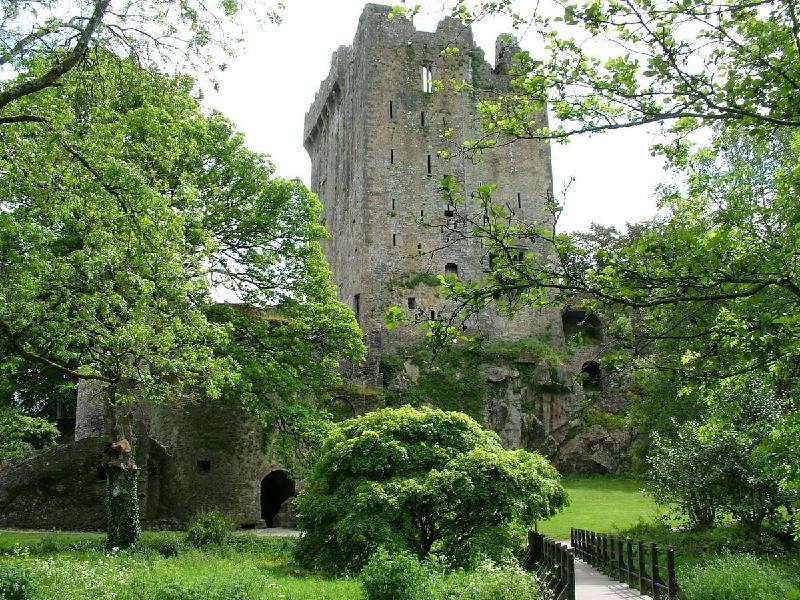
122	505
122	499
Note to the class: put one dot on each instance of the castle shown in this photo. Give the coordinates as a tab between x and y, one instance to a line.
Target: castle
373	134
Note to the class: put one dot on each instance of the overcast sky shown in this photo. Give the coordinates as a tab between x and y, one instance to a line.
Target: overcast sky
270	84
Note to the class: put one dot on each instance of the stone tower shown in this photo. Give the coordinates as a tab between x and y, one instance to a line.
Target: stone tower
373	132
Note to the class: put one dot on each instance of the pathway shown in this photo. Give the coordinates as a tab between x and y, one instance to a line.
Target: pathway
593	585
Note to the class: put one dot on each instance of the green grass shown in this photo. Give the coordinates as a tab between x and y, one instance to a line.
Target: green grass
600	503
70	566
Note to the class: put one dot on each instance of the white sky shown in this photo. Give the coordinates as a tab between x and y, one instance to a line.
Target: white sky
269	86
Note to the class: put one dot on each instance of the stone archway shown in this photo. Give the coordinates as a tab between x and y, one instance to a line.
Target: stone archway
276	488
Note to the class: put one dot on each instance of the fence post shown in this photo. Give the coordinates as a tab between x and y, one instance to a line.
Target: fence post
620	560
572	536
570	575
641	567
672	585
629	553
654	570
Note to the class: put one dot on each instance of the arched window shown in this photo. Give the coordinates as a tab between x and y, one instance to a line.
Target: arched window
451	269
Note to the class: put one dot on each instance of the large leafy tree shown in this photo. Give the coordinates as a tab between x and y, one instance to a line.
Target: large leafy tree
123	207
422	480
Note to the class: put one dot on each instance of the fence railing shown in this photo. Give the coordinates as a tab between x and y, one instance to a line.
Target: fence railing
554	562
641	565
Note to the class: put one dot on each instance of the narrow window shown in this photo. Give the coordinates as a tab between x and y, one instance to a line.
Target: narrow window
444	121
427	78
392	204
419	247
391	109
394	239
421	213
433	315
422	118
391	156
519	200
451	269
204	466
449	211
412	303
357	306
429	165
592	375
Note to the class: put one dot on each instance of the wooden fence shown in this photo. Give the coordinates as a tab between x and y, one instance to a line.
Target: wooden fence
641	565
554	562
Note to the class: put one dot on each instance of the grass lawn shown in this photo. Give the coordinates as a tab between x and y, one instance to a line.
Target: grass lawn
600	503
69	566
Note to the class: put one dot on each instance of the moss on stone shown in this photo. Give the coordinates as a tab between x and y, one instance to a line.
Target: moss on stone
411	279
609	420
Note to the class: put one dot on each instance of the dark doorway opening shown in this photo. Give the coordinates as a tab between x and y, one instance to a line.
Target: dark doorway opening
592	375
275	488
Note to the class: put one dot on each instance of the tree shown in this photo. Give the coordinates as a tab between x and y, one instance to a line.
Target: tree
123	209
42	41
610	64
423	480
21	434
720	466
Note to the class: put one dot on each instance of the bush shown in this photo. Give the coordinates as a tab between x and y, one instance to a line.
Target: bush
396	576
14	582
20	434
491	581
393	477
209	527
735	577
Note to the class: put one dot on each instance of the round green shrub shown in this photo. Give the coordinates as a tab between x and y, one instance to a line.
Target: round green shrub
209	527
395	576
735	577
14	582
431	482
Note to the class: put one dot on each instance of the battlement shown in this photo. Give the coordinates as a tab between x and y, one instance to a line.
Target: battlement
375	28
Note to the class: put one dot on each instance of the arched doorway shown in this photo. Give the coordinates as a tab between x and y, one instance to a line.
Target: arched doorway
275	488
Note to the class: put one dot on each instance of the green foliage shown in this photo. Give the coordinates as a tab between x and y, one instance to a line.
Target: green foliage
420	480
450	380
202	591
122	507
121	211
489	581
246	567
733	577
593	416
395	576
14	582
20	434
708	469
411	279
209	527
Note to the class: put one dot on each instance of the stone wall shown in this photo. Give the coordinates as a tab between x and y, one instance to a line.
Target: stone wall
60	488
